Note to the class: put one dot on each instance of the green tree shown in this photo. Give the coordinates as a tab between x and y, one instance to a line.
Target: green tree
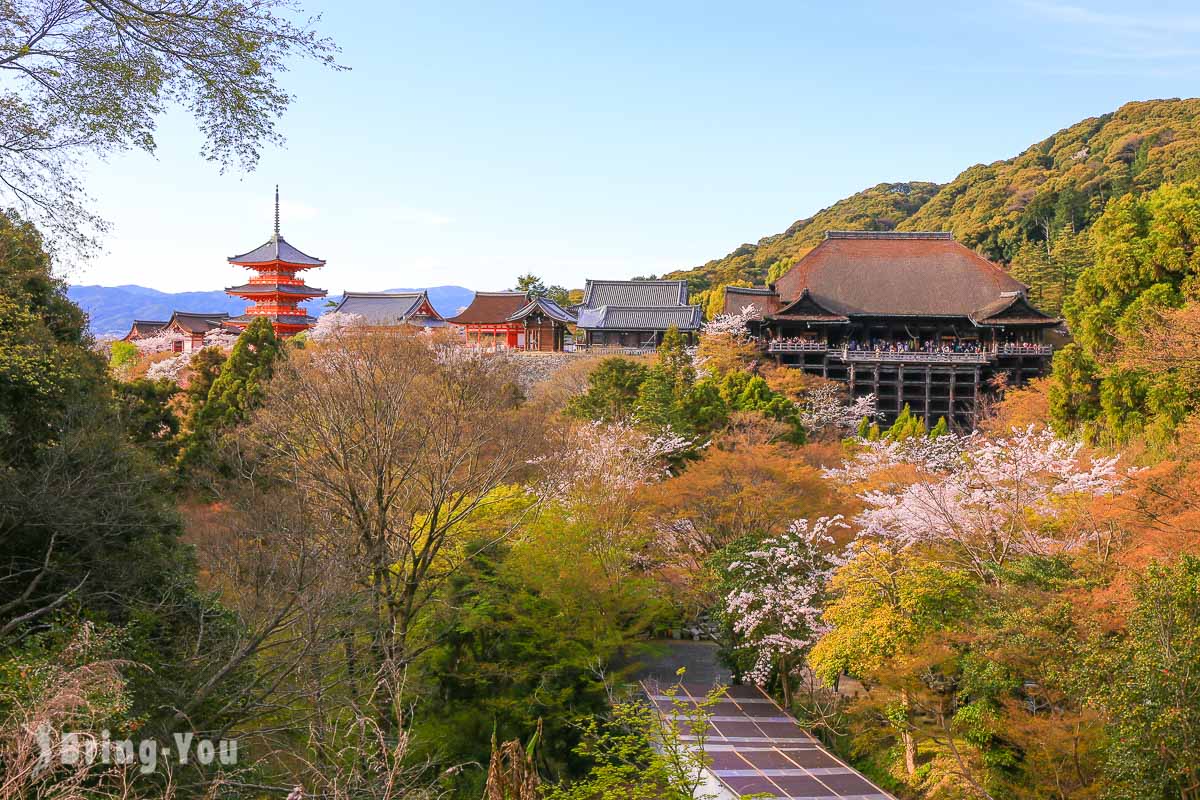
1150	686
613	388
1143	262
237	390
531	285
145	408
121	357
95	79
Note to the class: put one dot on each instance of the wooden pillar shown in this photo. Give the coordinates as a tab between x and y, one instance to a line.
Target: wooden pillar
929	423
953	383
899	387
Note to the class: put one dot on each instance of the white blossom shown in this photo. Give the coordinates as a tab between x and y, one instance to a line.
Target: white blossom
824	408
610	457
162	342
989	499
730	324
333	323
776	603
171	368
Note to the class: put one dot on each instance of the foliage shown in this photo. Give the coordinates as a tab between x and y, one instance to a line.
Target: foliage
1143	266
613	387
145	408
92	78
527	636
1149	685
236	391
639	753
121	357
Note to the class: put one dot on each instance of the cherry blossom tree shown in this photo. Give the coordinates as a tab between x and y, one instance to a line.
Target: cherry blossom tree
774	605
984	500
332	324
162	342
222	338
171	368
734	325
610	458
824	408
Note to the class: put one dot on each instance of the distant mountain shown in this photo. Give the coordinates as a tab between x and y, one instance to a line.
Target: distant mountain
113	309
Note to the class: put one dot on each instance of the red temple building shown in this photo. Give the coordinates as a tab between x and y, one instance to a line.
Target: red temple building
275	289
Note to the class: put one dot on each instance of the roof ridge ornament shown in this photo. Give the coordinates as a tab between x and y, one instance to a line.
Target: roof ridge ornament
277	211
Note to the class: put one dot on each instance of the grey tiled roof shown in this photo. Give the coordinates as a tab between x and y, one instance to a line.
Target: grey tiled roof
638	294
198	322
381	308
548	307
276	249
626	318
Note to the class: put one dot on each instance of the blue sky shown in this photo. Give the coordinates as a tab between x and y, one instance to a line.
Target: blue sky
470	142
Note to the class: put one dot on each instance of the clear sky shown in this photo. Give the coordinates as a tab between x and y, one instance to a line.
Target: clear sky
472	142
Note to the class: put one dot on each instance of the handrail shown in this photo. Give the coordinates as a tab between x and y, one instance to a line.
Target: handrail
796	347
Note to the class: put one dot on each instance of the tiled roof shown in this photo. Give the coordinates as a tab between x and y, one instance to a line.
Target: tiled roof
761	299
1012	309
546	306
490	308
276	288
806	309
639	294
384	308
145	327
625	318
195	322
896	274
276	249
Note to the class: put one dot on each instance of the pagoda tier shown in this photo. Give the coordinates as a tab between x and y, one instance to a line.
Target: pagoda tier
275	290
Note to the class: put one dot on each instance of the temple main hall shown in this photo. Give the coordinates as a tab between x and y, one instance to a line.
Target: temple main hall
914	318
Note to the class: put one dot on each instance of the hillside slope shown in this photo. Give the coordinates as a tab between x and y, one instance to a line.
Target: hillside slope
1058	184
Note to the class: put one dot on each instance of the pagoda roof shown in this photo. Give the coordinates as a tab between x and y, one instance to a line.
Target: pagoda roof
276	249
390	308
898	273
299	290
198	322
635	294
491	308
546	306
762	299
627	318
284	319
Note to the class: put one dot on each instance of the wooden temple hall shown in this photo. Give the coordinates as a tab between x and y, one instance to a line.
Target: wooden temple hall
915	318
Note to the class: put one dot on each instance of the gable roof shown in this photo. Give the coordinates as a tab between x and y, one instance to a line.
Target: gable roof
639	294
626	318
197	322
805	308
896	274
762	299
390	308
145	327
490	308
276	249
296	290
1012	309
547	307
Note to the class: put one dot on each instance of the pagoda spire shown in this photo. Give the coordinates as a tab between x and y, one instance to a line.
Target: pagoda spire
277	211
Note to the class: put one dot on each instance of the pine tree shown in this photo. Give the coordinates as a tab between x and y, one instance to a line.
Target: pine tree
237	390
864	428
940	429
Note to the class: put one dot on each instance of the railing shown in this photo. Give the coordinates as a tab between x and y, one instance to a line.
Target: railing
797	347
914	356
1024	350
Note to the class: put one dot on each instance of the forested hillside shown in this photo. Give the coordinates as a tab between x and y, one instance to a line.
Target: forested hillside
1028	211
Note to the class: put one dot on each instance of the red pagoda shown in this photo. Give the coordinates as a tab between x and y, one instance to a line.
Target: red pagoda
275	289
